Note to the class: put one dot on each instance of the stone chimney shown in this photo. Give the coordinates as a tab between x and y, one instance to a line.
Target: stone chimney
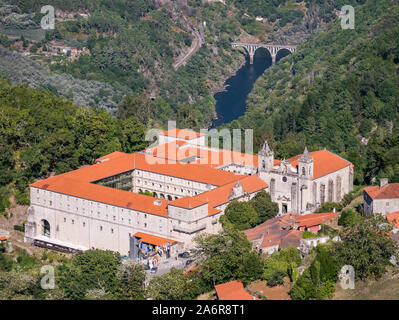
383	182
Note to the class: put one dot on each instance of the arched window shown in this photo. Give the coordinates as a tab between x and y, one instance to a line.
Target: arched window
263	164
45	228
303	171
170	198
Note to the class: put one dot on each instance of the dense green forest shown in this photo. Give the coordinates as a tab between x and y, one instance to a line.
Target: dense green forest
340	90
41	133
133	45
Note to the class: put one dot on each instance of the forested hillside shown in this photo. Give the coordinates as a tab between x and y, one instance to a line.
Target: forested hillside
132	46
41	134
340	90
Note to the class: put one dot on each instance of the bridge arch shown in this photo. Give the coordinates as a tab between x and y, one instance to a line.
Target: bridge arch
281	54
273	49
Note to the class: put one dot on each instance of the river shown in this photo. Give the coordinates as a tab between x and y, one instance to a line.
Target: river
230	104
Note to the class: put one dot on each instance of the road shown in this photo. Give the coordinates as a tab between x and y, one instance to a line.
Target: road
165	266
195	46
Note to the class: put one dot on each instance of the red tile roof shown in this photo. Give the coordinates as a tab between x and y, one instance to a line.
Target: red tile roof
324	162
314	219
79	183
154	240
276	232
389	191
95	192
233	290
219	196
182	134
179	150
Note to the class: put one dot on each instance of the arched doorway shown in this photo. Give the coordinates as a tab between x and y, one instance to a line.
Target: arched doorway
45	228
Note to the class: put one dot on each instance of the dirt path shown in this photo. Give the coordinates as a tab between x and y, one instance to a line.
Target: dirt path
271	293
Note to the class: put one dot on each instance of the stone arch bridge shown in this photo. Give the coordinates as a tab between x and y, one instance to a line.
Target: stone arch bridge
272	48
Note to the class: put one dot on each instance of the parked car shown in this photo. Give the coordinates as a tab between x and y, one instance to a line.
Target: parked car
185	254
154	269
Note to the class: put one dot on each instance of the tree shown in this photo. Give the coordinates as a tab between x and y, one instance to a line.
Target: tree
226	256
131	135
349	217
264	207
131	277
169	286
367	247
90	270
317	281
329	207
277	278
241	214
281	263
139	106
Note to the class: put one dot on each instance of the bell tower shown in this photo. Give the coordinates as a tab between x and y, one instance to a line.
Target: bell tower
305	165
265	159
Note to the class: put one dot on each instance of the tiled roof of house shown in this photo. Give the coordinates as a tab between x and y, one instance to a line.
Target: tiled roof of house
79	183
277	231
182	151
95	192
219	196
324	162
393	218
233	290
314	219
389	191
281	231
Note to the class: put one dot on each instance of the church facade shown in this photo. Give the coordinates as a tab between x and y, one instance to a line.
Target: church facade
303	183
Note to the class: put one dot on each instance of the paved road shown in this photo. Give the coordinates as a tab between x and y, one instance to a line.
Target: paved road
195	46
166	265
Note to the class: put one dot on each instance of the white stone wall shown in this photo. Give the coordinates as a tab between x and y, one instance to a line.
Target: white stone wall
93	224
346	185
97	225
383	206
167	185
304	188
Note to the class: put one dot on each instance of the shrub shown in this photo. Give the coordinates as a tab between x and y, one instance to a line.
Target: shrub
329	207
21	198
277	278
348	218
308	234
20	228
